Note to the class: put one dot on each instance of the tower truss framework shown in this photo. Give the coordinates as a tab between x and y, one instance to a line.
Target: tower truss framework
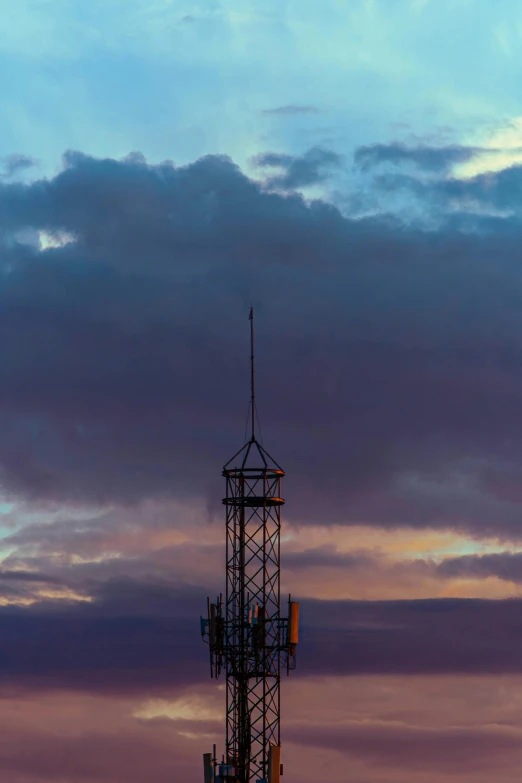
247	636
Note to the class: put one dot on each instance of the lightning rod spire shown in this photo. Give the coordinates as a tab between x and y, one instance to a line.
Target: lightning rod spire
252	377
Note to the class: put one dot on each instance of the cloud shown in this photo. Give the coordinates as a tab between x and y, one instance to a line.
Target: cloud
433	636
16	163
27	576
469	731
113	646
450	750
497	190
177	544
433	159
388	386
482	203
327	556
81	748
142	636
299	170
97	756
290	110
503	565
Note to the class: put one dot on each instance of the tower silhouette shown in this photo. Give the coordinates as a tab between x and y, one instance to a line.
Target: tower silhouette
246	634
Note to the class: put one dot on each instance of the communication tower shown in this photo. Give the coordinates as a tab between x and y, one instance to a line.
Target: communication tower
247	637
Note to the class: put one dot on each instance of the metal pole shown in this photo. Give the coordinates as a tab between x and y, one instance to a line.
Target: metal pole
252	387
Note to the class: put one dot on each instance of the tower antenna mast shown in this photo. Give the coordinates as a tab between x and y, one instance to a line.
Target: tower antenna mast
252	376
247	636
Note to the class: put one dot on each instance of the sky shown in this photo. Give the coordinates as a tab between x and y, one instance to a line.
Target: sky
353	170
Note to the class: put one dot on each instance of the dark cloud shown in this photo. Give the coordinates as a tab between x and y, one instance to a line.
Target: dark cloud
389	381
506	566
15	163
500	190
299	170
21	586
485	203
132	637
27	576
503	565
143	636
432	636
327	557
433	159
90	755
89	538
450	750
291	110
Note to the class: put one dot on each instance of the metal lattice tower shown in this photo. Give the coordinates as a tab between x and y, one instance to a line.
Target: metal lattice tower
246	634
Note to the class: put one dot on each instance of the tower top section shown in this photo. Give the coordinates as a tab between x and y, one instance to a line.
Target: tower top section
252	457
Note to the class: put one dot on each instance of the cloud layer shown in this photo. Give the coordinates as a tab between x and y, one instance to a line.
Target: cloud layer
387	359
389	387
142	636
